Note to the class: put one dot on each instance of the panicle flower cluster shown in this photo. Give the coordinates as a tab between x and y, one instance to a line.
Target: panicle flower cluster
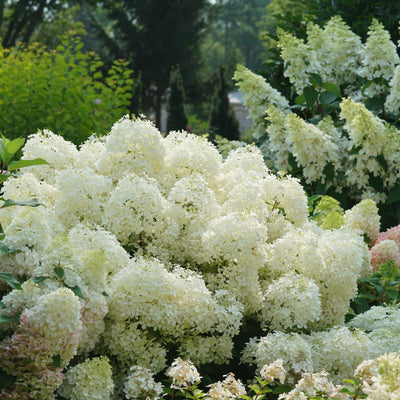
320	256
383	251
292	301
258	95
183	374
229	388
140	383
90	380
275	370
382	377
312	148
364	149
299	60
313	385
392	102
292	348
364	217
382	327
380	57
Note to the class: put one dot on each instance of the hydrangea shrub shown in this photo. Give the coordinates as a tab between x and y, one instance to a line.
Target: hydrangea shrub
149	246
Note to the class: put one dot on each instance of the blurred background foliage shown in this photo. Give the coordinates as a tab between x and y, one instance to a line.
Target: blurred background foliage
76	66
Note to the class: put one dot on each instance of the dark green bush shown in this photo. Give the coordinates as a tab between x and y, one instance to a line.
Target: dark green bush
62	90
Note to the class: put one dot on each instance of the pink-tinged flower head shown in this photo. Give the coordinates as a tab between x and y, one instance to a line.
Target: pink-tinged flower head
392	234
383	251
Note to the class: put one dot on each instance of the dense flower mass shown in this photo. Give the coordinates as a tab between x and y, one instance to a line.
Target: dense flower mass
149	246
334	133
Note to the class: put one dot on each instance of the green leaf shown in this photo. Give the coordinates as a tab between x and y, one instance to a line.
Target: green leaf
316	79
282	389
5	250
381	160
105	294
393	195
330	87
375	103
25	163
6	276
300	99
3	177
392	294
8	148
57	361
310	95
7	318
29	203
327	97
77	291
38	279
59	271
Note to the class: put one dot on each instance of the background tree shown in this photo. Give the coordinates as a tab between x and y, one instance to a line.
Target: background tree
176	114
155	35
234	35
222	118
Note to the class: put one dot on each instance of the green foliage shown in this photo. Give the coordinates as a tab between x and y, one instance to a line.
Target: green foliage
222	118
382	287
177	119
8	151
63	91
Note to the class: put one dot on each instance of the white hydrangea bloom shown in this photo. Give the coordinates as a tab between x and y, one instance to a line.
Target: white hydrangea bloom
382	324
140	383
238	241
211	349
93	311
314	385
86	238
364	217
134	210
300	60
91	152
339	351
183	374
132	146
380	57
345	56
56	318
293	349
58	152
258	95
367	140
190	204
82	196
272	371
90	380
130	344
392	102
229	388
187	154
22	300
384	381
312	148
174	303
291	301
29	233
332	259
293	200
276	144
